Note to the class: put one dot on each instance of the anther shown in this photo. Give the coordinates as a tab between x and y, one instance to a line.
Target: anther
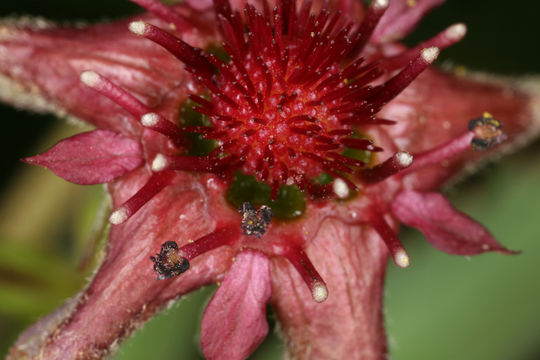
255	222
381	4
159	163
150	119
319	292
137	27
456	32
487	132
484	133
340	188
90	78
168	263
430	54
118	216
402	259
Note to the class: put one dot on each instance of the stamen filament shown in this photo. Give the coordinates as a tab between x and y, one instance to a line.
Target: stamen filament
163	126
114	92
154	185
186	53
180	163
165	12
441	152
444	39
127	101
391	240
222	236
298	258
374	14
399	161
399	82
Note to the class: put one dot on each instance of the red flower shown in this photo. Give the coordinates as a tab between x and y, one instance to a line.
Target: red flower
292	115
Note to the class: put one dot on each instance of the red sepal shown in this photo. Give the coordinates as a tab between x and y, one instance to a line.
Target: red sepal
93	157
444	227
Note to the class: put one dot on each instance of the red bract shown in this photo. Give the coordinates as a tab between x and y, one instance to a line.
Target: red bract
299	101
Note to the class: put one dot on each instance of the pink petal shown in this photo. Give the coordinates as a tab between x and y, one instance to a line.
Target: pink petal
443	226
427	118
234	322
348	325
200	5
124	292
93	157
53	84
401	18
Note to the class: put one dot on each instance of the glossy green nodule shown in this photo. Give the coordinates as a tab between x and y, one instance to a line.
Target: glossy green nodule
219	52
365	156
289	203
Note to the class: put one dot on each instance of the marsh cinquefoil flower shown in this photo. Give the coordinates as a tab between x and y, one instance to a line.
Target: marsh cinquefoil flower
290	107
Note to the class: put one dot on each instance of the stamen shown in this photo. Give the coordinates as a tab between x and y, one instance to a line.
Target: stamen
172	261
391	240
399	82
181	163
137	27
223	236
255	222
90	78
484	133
309	274
148	119
118	216
374	14
340	188
164	12
442	152
444	39
487	132
399	161
160	163
167	263
186	53
319	292
114	92
163	126
155	184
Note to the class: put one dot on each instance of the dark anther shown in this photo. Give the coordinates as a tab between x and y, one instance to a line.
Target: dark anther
488	132
255	222
168	263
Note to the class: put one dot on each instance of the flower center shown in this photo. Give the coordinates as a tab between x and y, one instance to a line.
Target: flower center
286	106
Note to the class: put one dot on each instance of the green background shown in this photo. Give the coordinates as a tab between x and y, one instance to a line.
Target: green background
442	307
